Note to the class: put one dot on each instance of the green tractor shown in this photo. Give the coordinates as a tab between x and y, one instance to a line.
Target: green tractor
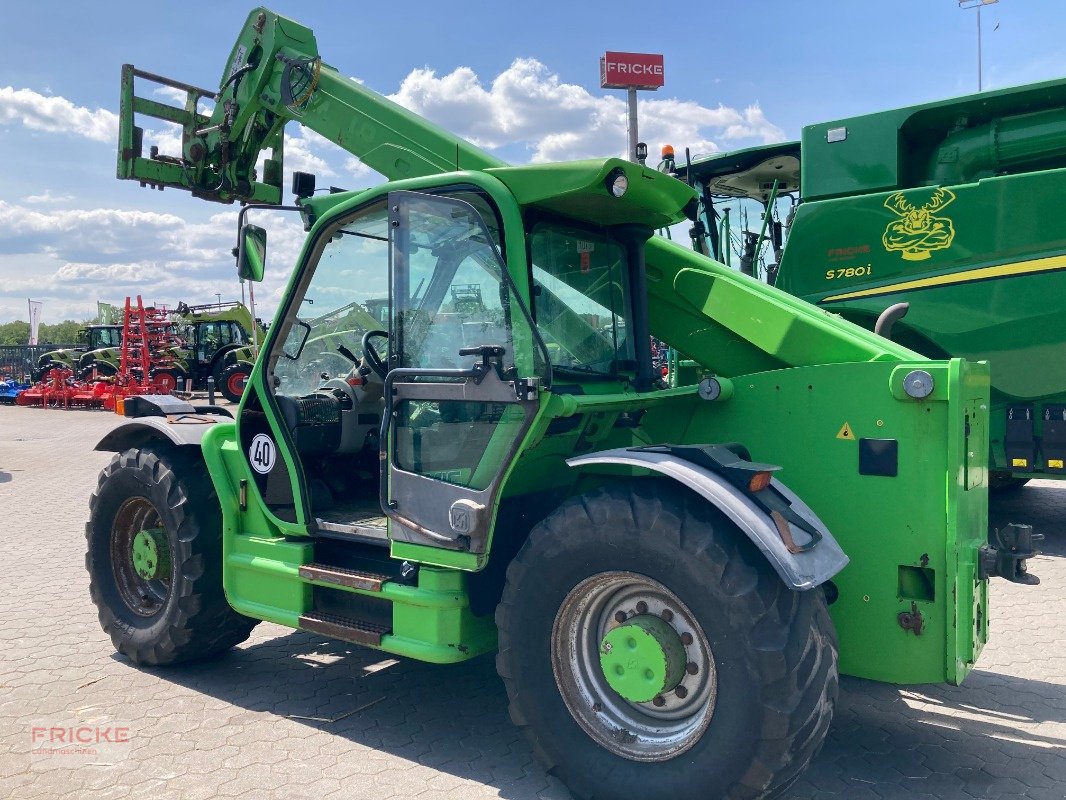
671	579
90	338
928	224
215	344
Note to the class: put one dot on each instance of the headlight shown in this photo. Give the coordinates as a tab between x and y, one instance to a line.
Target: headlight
617	182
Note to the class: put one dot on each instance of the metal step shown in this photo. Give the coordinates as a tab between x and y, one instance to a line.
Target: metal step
341	576
348	630
358	532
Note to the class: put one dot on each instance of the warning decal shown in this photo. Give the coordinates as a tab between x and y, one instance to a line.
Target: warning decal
846	433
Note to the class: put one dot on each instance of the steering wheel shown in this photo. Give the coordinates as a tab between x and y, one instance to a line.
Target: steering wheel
371	355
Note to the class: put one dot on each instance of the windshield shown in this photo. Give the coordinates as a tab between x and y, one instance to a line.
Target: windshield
581	300
337	302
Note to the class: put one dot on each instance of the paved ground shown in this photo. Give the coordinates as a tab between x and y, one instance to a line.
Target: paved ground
297	716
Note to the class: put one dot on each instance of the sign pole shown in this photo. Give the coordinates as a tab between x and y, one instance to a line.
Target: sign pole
633	138
632	71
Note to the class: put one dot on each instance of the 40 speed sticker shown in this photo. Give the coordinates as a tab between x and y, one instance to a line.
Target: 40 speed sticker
262	453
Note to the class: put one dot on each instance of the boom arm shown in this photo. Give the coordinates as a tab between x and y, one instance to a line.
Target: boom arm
275	74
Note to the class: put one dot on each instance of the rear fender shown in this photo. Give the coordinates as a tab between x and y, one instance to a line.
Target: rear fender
799	570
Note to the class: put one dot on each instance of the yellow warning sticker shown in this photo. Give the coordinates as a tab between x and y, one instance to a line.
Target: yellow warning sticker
1054	463
1019	462
846	433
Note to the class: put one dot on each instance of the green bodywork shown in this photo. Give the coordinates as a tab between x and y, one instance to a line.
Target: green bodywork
944	206
793	376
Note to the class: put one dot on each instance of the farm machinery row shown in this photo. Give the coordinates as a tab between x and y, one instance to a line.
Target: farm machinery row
152	350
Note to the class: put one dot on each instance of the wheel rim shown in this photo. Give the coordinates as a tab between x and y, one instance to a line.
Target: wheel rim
235	383
166	381
140	557
597	618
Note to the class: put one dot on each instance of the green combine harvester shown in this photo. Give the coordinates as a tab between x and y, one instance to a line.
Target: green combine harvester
671	579
942	207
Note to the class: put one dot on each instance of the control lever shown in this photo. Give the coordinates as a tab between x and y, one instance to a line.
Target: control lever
348	354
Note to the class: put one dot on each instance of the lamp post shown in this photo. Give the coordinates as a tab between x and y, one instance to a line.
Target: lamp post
964	4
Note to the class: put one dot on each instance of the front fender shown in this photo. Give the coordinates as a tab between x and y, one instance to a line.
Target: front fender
800	571
182	430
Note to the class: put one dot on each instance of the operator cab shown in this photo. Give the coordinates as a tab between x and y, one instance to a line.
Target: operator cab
351	320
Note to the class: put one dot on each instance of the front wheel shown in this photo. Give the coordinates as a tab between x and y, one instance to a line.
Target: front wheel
650	651
154	558
166	380
96	370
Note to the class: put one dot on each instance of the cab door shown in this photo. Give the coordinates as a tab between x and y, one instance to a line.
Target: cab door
458	400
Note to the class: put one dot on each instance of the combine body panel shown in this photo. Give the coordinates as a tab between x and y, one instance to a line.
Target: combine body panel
509	473
942	206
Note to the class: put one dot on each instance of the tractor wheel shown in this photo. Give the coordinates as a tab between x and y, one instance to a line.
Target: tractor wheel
166	379
1004	482
101	368
650	651
155	559
231	381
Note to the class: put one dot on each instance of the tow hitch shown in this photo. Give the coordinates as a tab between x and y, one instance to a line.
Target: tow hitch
1007	560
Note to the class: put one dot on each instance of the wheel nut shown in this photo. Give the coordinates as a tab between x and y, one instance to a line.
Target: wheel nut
667	614
659	701
681	692
686	638
692	668
620	616
642	607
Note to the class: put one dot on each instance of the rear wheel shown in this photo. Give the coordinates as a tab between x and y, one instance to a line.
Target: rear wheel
232	380
154	558
650	651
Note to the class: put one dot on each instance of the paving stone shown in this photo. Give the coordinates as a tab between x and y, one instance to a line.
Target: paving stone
239	726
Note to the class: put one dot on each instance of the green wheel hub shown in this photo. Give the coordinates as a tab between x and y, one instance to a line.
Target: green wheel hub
150	554
642	658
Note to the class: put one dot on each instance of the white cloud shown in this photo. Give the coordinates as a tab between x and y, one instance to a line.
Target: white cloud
528	104
47	197
56	115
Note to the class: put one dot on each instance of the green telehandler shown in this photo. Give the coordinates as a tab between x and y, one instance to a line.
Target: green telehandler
671	579
931	222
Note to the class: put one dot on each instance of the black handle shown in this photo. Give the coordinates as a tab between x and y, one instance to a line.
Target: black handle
486	351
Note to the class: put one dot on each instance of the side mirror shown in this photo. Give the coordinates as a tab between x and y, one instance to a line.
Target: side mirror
251	255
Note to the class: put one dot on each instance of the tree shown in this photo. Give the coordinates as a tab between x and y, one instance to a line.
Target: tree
17	332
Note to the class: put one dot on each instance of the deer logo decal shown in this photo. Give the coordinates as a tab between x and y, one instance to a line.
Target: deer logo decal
918	232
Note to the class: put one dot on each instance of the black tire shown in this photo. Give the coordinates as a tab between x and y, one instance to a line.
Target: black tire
231	381
774	650
102	369
1004	482
193	619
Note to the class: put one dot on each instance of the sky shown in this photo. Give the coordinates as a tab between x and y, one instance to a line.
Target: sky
521	80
